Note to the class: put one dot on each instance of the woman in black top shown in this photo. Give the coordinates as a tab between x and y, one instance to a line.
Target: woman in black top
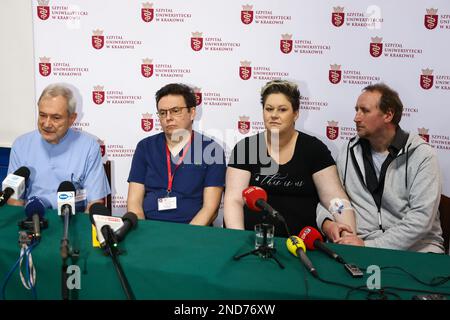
295	169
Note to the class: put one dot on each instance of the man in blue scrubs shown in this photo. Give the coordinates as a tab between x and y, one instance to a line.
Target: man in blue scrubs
55	153
177	175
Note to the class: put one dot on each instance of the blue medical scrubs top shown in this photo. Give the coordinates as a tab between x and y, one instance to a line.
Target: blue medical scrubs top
203	166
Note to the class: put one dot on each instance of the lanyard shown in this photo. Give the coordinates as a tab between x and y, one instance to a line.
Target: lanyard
170	176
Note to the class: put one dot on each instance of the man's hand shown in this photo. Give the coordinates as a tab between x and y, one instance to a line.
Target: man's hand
334	230
352	239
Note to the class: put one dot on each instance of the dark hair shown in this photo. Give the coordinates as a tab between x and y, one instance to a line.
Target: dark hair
177	89
389	100
289	89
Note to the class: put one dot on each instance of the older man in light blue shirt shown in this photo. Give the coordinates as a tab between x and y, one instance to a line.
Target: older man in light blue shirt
55	153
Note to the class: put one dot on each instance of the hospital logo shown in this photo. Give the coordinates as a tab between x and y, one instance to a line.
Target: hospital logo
335	74
43	9
426	78
431	19
376	47
244	124
98	95
147	12
247	14
45	67
196	41
147	68
286	43
198	96
147	122
98	39
332	130
423	133
102	147
245	71
338	16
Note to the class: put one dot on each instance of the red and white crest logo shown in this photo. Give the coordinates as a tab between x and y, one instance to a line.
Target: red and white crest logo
244	124
147	122
424	134
426	78
286	43
98	40
102	147
45	67
335	74
247	14
198	96
196	41
337	16
376	47
43	9
147	12
98	95
245	71
332	130
147	67
431	19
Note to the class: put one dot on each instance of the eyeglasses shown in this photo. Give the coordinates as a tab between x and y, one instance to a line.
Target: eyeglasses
175	111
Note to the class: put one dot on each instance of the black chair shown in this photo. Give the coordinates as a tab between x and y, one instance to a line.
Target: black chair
444	210
107	167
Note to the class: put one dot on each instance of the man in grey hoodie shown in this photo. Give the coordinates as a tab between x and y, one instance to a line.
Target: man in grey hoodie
392	178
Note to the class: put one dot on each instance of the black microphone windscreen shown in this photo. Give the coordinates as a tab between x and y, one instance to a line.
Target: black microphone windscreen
98	208
66	186
23	172
132	217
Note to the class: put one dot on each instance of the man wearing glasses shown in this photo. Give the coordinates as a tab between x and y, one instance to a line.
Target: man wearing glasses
177	175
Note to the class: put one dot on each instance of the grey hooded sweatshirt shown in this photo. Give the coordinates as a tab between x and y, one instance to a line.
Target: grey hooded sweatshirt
408	218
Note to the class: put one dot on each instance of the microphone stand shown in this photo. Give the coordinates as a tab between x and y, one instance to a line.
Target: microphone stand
66	253
264	250
112	250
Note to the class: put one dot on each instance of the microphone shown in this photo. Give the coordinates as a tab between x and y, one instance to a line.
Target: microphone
35	210
111	228
313	240
66	206
256	200
296	246
102	220
129	222
14	185
66	198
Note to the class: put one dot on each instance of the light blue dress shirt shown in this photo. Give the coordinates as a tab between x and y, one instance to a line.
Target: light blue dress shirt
76	158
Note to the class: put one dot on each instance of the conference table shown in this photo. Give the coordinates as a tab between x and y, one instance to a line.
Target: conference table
170	261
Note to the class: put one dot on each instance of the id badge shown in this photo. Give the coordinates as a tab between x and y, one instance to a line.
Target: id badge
81	195
167	203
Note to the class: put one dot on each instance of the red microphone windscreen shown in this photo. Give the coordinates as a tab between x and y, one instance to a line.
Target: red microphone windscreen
253	194
309	235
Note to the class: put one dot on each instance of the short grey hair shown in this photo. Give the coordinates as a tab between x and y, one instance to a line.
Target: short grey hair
56	90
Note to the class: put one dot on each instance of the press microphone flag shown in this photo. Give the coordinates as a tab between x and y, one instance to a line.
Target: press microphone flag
66	198
296	246
314	240
14	185
101	217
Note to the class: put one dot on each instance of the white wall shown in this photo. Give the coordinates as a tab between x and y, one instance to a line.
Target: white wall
17	99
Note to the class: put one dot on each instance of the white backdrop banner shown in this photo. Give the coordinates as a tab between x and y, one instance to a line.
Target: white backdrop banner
117	54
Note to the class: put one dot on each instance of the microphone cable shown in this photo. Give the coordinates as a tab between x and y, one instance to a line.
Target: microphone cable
29	280
434	282
382	292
